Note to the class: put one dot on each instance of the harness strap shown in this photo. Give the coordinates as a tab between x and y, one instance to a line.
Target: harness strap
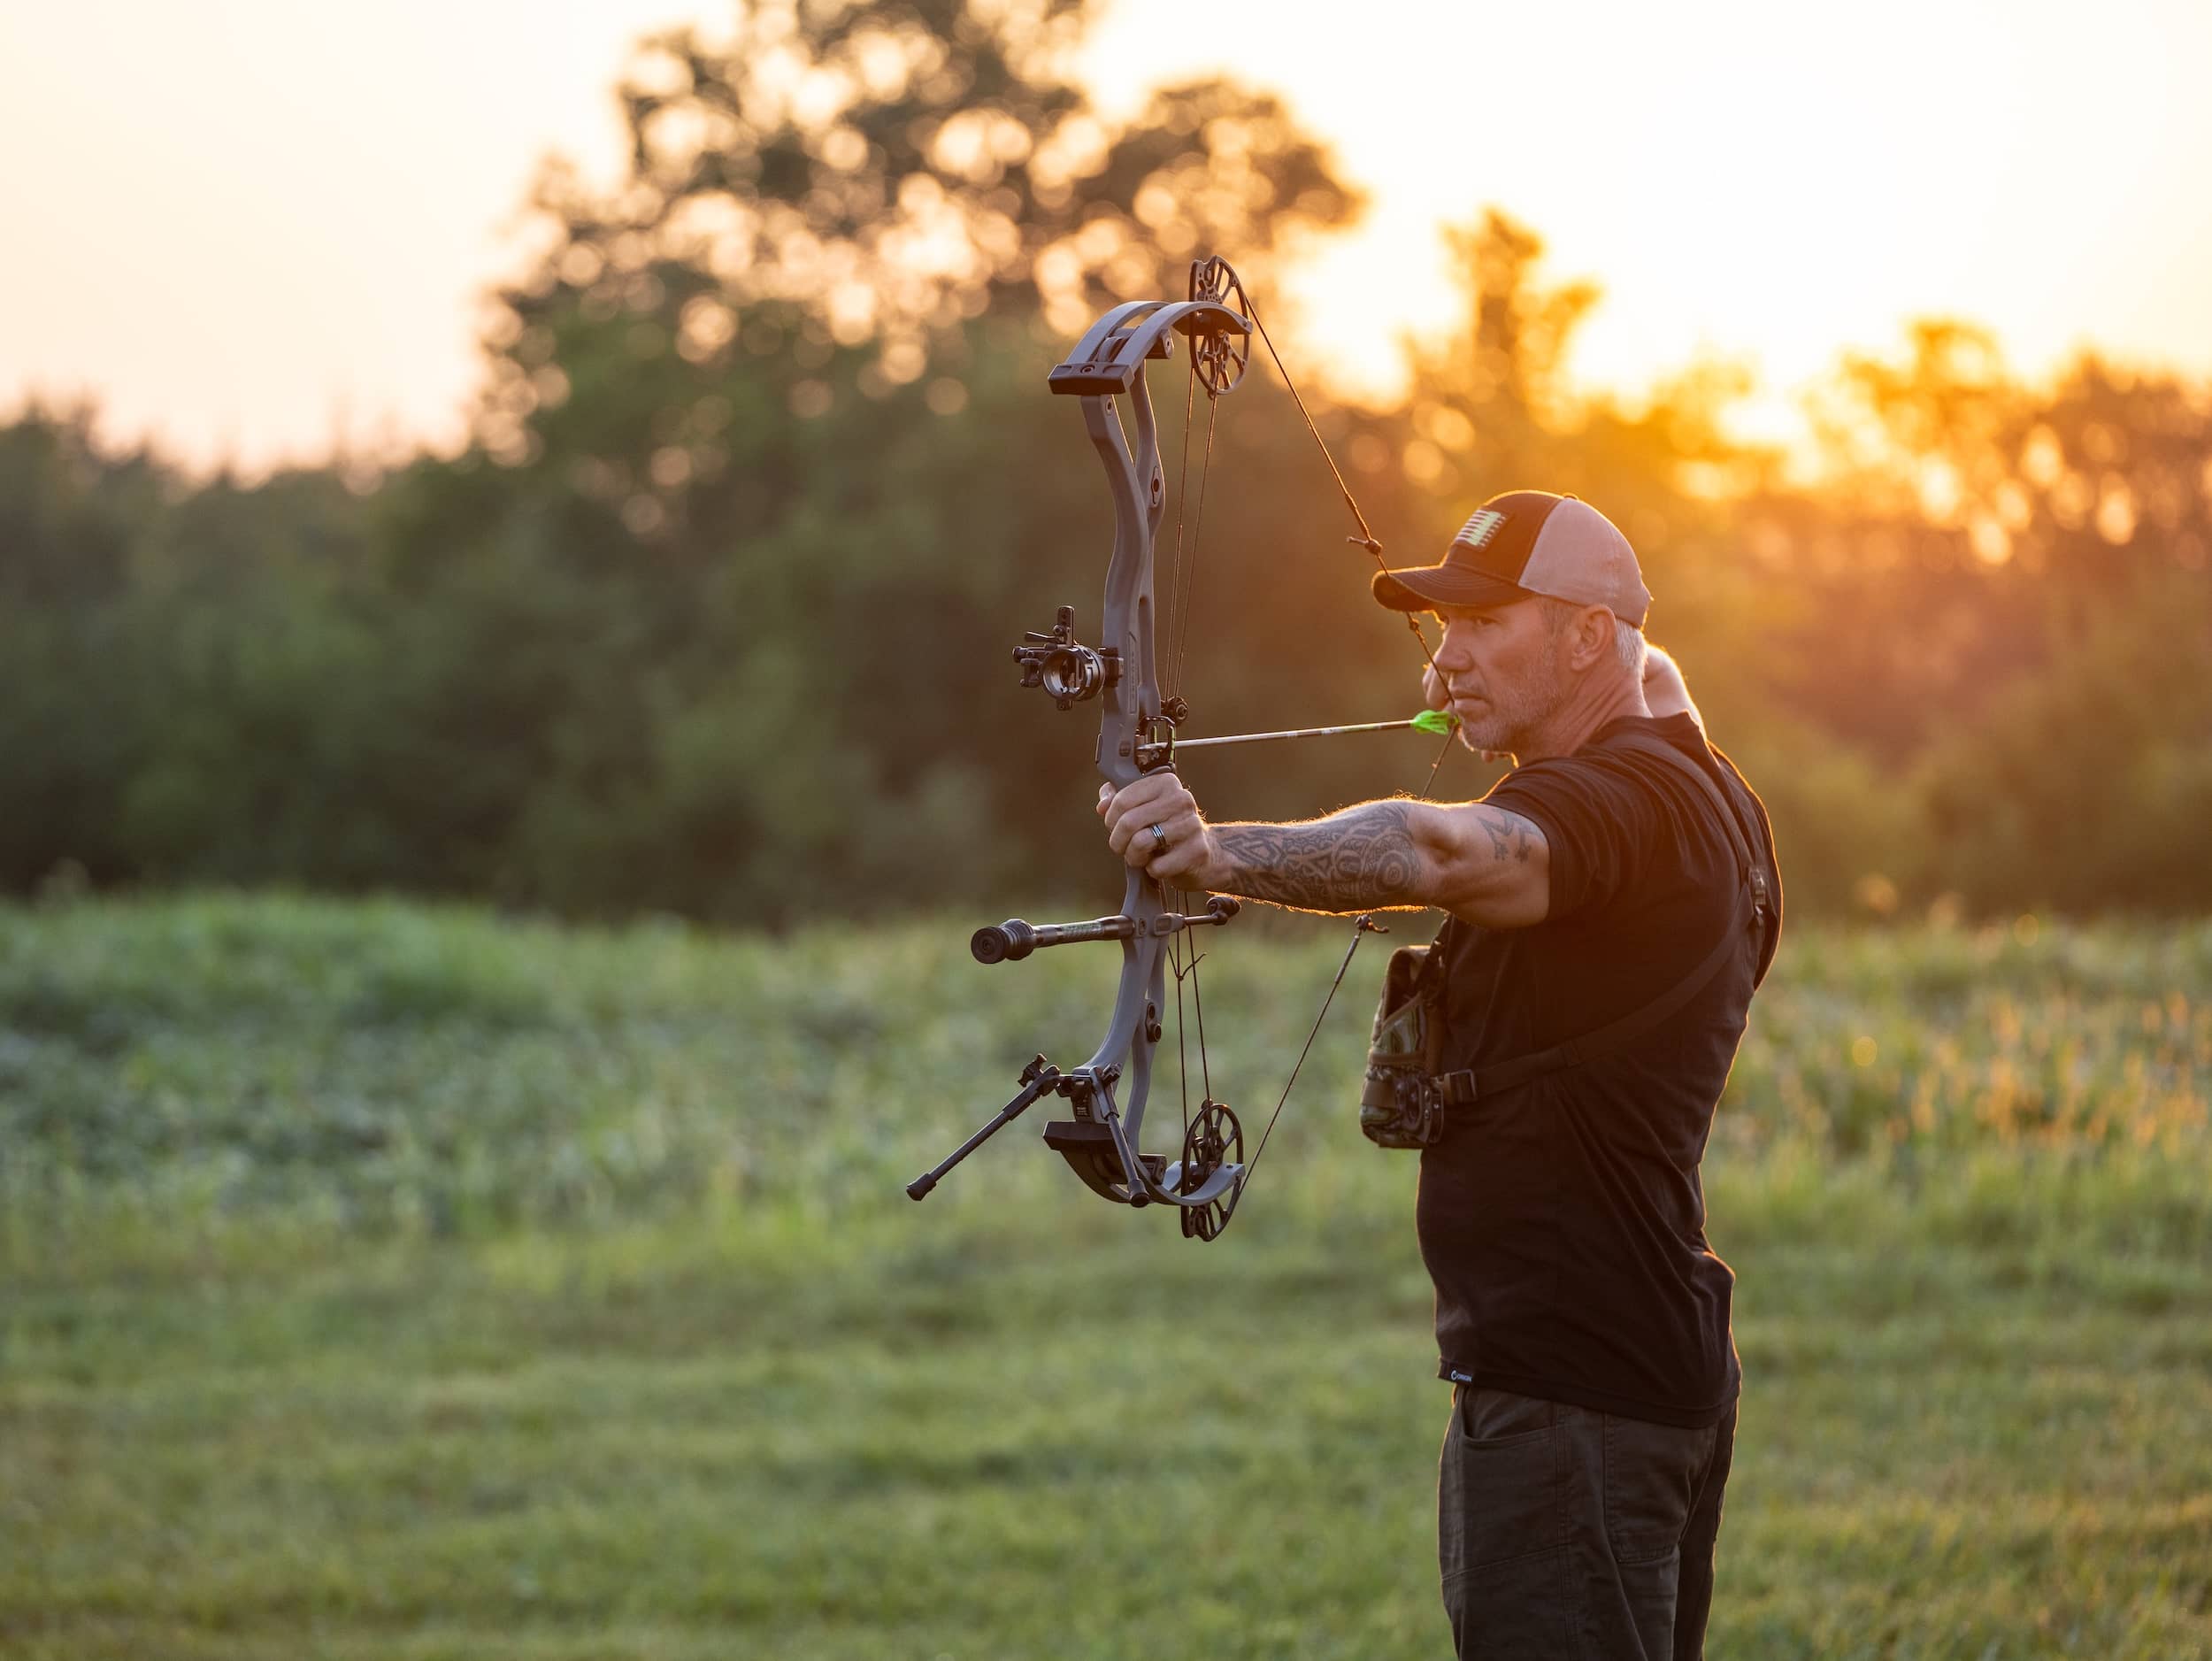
1750	907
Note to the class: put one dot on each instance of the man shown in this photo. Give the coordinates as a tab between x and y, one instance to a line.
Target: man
1613	903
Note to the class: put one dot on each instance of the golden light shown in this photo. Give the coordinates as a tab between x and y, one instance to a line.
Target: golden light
1758	183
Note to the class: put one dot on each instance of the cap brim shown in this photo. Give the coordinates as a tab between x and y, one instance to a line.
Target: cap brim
1418	588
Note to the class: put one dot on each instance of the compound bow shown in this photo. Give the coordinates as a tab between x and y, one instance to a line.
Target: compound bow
1100	1142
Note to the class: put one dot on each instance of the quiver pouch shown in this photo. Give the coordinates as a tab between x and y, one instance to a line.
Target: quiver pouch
1399	1105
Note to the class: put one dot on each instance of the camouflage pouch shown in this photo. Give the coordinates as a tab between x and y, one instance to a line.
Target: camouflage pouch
1401	1106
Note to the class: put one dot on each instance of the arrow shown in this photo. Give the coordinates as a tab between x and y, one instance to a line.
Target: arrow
1434	722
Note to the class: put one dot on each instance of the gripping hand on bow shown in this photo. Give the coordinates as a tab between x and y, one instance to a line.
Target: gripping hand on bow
1181	851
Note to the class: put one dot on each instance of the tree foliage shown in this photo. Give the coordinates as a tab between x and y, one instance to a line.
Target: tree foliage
712	616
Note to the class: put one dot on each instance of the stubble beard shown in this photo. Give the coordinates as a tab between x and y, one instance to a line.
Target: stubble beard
1515	712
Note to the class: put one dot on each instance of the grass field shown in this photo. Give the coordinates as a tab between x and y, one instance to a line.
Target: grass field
385	1281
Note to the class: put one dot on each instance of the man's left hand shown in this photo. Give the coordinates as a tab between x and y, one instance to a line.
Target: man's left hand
1181	851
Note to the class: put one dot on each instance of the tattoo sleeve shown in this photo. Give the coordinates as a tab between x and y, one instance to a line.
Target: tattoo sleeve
1363	859
1487	864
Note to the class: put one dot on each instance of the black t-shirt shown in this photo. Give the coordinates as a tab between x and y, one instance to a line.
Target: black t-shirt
1564	1222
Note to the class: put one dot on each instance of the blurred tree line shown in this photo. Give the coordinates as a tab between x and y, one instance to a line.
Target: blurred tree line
713	617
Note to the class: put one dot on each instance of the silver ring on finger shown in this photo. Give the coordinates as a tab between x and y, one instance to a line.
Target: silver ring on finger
1160	837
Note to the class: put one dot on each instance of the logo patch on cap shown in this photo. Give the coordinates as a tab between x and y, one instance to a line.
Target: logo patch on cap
1481	526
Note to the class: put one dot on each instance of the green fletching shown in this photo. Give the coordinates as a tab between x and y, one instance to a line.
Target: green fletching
1437	721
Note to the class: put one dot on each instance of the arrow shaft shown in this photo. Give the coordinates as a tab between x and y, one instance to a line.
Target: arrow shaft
1301	731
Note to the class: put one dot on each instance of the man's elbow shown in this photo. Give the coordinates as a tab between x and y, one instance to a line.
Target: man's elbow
1522	903
1490	867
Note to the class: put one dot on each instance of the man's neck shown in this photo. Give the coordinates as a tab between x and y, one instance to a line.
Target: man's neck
1595	704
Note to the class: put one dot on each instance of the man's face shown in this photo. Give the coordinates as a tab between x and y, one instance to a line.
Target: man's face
1501	665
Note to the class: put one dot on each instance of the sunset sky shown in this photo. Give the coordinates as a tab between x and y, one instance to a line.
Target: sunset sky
247	228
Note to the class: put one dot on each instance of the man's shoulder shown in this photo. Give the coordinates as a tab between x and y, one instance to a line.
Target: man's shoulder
1656	756
1619	790
1666	762
1659	744
1745	822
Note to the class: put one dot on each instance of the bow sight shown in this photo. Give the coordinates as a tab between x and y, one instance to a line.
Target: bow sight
1069	671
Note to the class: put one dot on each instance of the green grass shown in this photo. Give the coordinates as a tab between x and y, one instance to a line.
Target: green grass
384	1280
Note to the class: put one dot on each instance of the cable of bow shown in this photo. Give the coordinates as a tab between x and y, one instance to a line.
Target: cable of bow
1215	277
1366	538
1363	927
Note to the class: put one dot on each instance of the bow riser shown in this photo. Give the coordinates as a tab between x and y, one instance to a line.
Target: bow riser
1110	360
1139	489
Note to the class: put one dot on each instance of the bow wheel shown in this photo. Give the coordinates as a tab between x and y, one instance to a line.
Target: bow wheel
1215	1138
1219	357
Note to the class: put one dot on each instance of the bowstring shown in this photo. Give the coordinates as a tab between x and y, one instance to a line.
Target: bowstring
1198	528
1437	766
1359	932
1183	585
1182	1047
1183	582
1171	681
1366	538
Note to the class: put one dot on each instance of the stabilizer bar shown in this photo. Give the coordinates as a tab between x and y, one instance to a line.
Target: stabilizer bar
1013	940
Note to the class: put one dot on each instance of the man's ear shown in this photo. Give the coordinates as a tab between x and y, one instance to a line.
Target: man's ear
1590	638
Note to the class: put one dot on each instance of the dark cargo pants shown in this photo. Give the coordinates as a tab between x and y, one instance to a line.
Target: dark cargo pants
1563	1532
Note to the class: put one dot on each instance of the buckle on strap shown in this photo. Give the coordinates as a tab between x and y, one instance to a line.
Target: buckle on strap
1456	1089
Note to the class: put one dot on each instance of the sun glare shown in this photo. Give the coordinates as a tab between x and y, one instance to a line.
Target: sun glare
1763	185
1757	184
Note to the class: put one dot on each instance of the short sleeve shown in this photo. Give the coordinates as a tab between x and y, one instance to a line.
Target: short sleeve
1600	819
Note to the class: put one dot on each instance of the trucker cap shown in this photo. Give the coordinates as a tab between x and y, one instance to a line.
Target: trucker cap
1524	543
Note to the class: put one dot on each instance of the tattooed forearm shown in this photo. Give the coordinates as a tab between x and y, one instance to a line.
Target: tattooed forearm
1487	864
1364	858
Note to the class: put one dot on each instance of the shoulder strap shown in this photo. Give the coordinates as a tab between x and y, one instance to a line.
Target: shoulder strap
1750	907
1744	839
1657	749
